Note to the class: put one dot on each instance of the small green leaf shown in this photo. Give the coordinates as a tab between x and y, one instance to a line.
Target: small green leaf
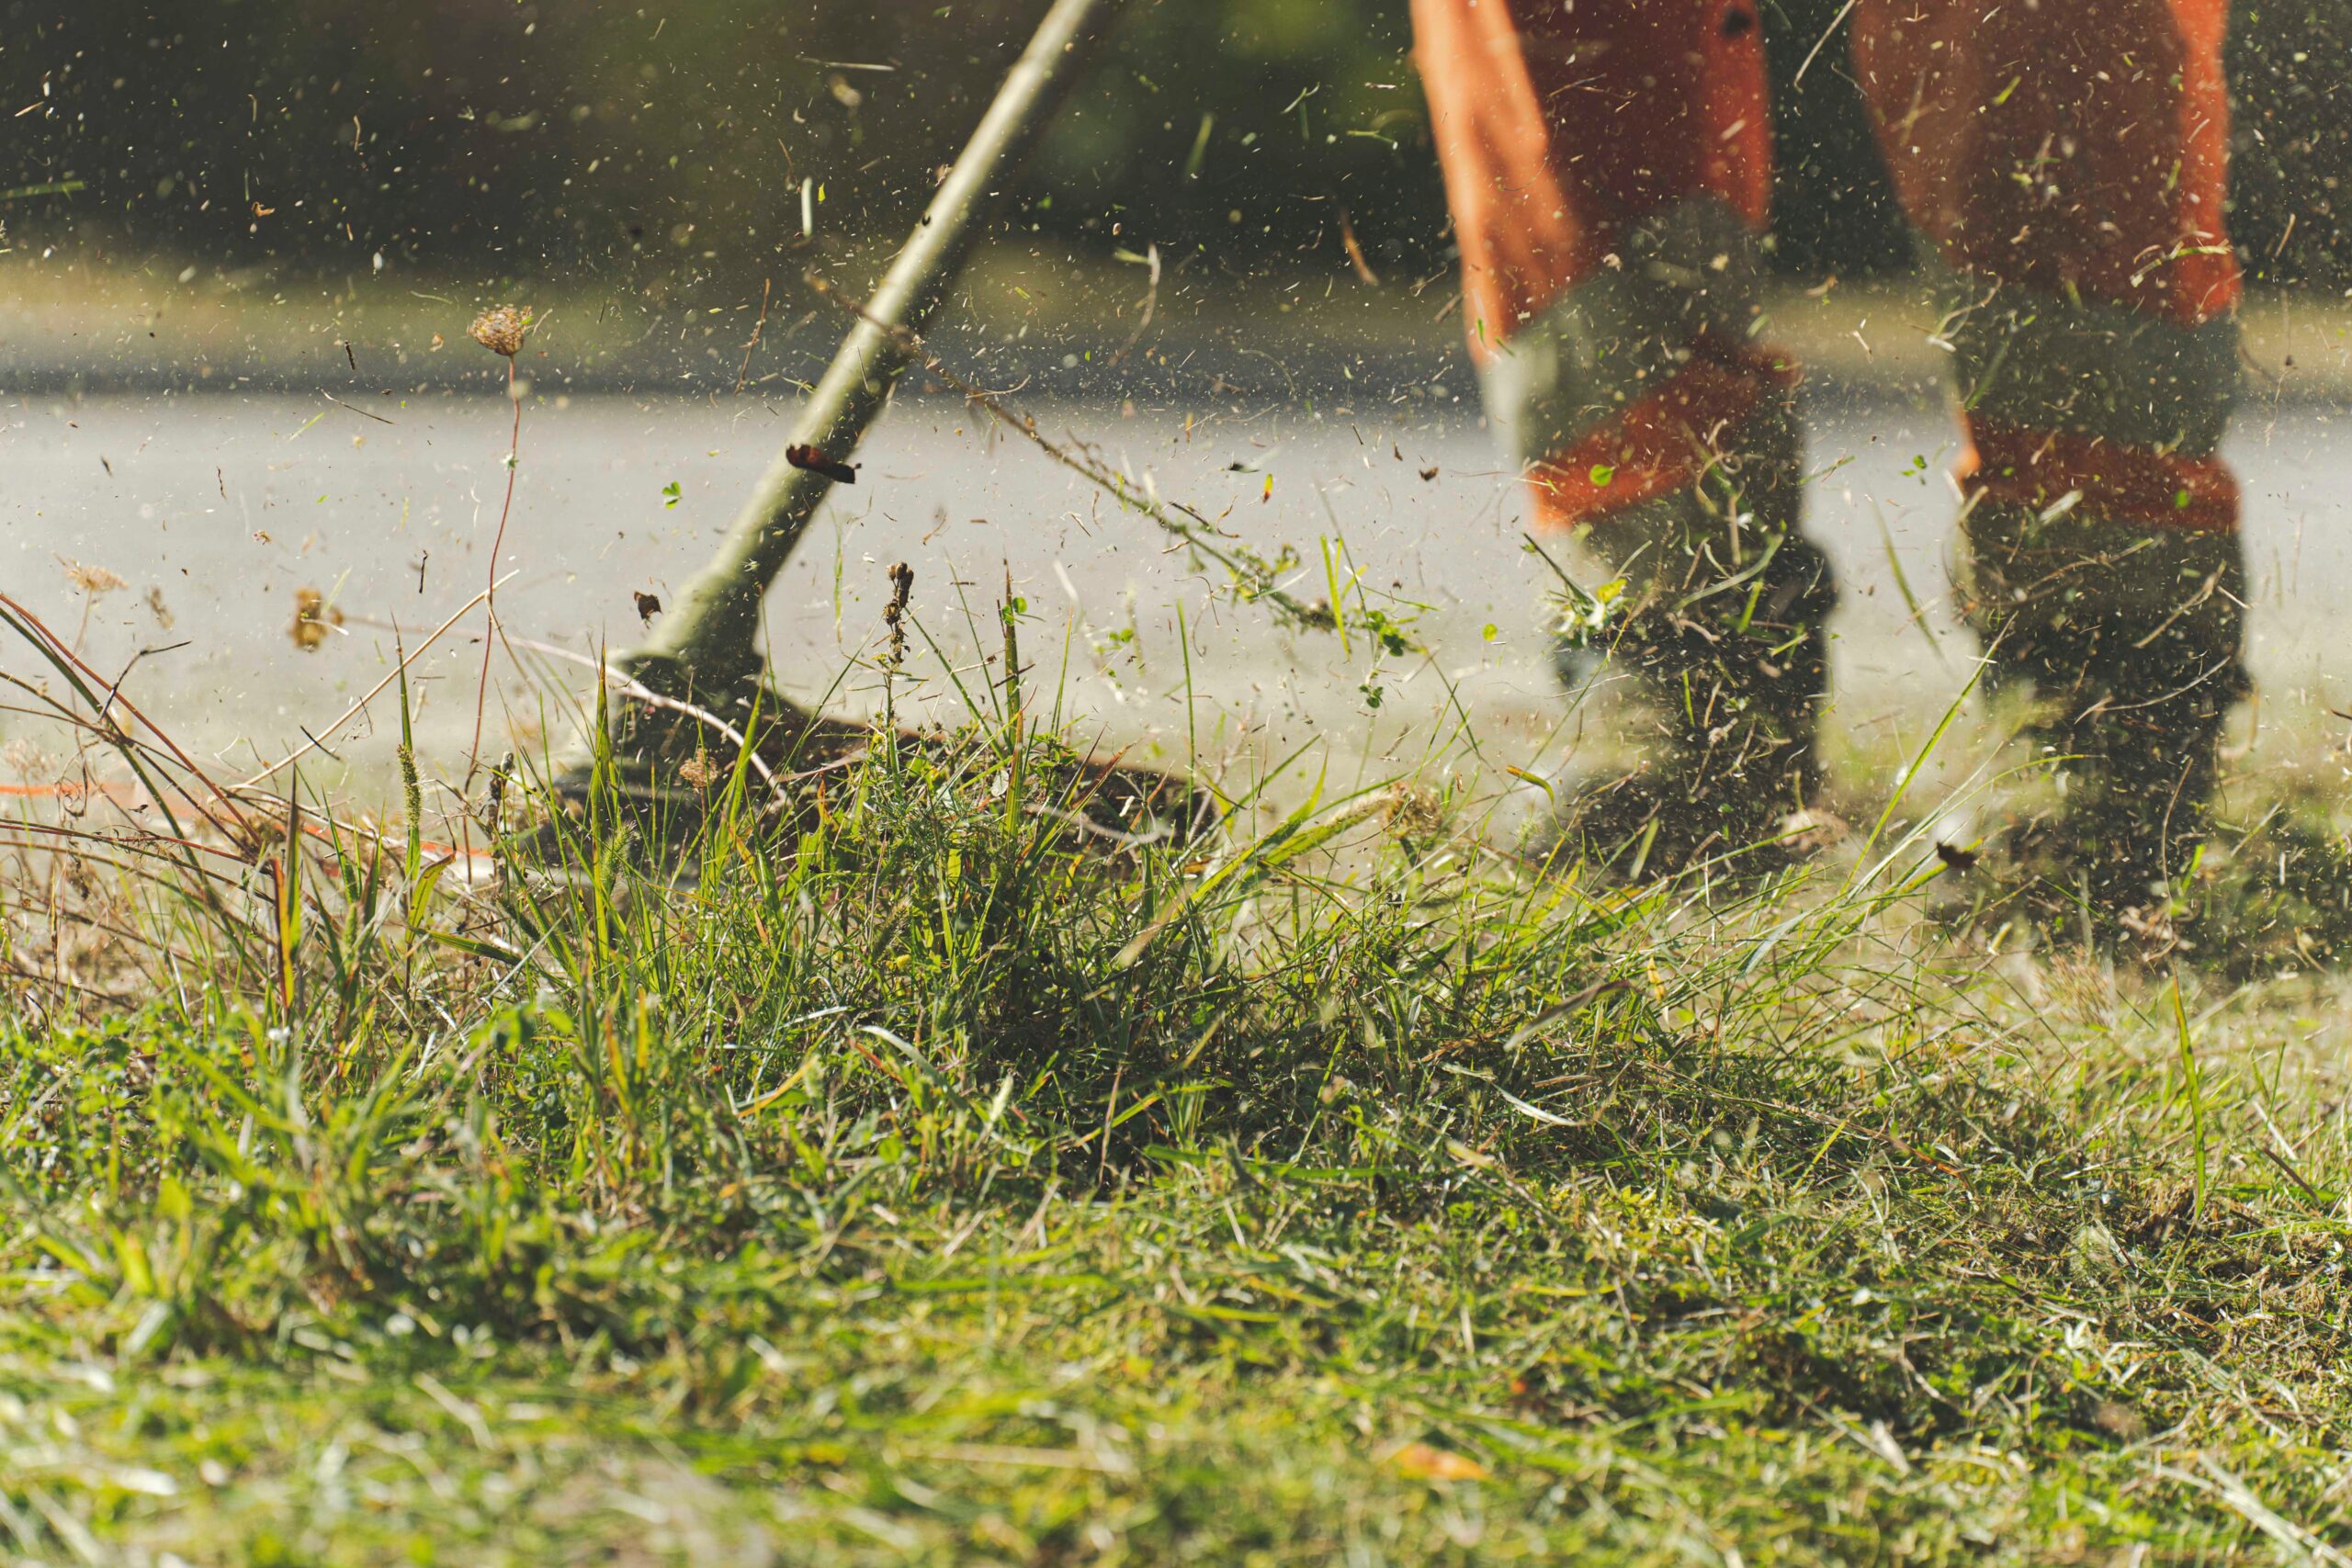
1603	475
673	493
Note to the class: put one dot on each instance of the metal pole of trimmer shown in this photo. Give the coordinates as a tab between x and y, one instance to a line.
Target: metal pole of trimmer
706	649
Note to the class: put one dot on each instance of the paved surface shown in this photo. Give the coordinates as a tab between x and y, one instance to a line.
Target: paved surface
216	509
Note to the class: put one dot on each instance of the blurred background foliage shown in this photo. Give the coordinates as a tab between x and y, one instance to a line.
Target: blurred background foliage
664	143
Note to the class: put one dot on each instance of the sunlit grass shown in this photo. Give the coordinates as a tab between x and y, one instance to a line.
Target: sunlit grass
934	1178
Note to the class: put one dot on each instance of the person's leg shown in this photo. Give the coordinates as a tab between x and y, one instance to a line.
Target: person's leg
2066	164
1607	165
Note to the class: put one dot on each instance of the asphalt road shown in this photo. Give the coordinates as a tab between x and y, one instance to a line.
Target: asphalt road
217	510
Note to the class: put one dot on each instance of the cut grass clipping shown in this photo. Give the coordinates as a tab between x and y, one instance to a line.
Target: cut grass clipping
937	1180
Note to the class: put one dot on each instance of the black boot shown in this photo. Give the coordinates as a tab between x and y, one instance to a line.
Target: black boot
2130	641
1719	628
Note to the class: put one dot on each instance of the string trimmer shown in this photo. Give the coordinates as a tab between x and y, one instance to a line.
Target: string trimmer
702	662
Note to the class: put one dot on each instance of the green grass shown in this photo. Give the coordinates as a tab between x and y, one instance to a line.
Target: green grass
926	1184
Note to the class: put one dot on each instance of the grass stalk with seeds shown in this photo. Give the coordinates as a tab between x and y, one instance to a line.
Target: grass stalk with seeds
500	330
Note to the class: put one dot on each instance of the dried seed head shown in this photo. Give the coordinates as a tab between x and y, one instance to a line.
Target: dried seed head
902	587
312	616
494	801
23	757
501	330
91	580
698	772
412	793
2119	1420
1415	812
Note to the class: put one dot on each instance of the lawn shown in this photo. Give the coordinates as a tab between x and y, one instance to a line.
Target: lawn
931	1179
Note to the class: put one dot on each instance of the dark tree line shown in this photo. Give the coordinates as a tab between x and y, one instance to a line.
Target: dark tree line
672	137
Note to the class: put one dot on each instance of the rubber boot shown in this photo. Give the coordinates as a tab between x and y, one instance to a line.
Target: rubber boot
2130	641
1718	628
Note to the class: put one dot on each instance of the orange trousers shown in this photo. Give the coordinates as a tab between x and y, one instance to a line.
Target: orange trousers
1609	167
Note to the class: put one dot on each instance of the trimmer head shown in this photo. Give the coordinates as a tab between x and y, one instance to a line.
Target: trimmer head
663	776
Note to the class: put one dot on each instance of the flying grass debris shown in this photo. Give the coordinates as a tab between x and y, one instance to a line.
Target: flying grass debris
1256	577
815	460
